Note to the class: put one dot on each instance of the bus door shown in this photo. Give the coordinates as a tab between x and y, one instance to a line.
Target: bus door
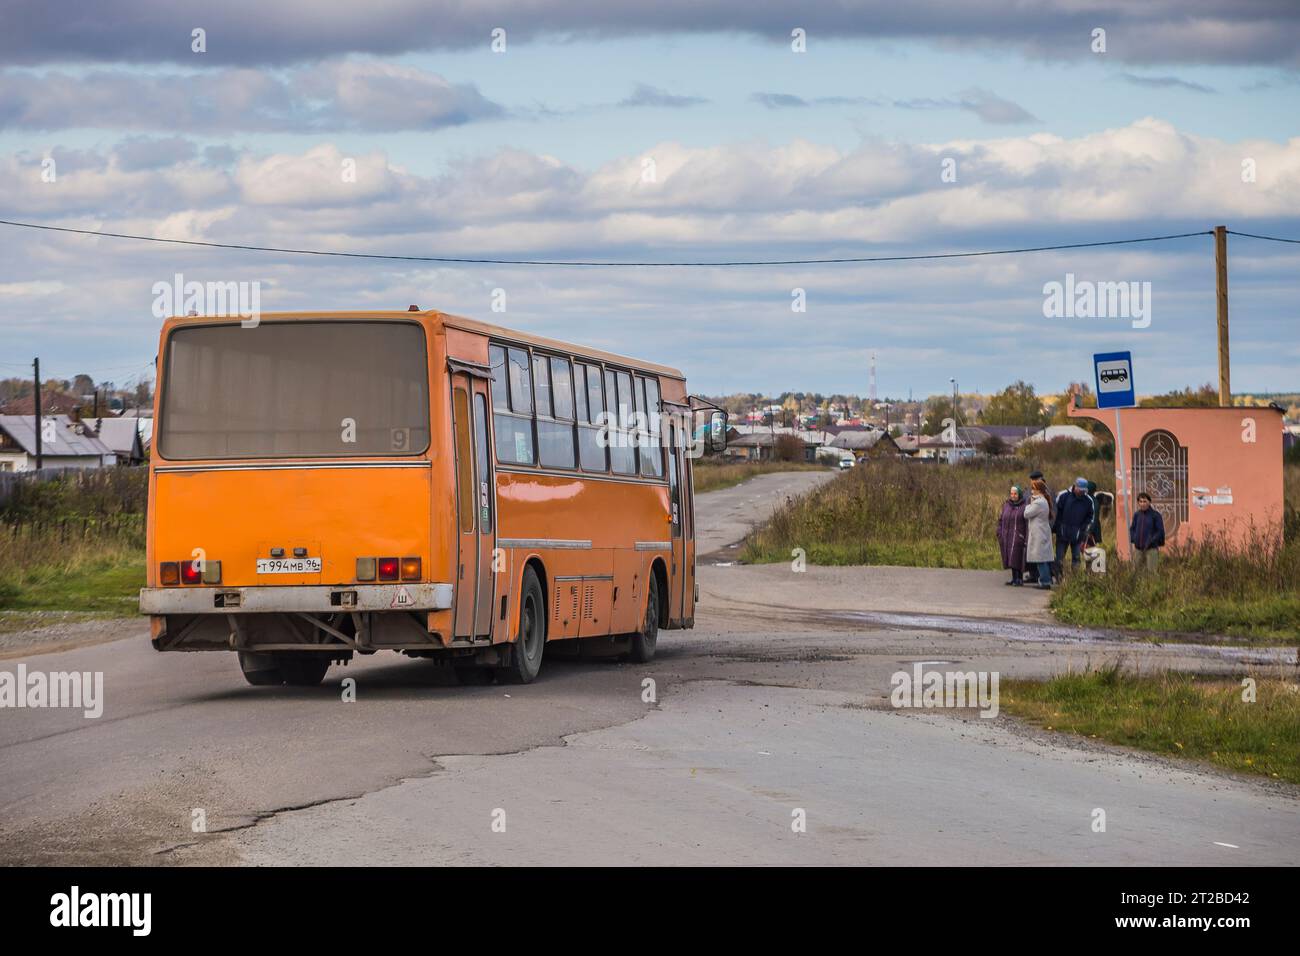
676	504
688	538
476	507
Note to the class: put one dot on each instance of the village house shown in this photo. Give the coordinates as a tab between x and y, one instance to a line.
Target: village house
65	444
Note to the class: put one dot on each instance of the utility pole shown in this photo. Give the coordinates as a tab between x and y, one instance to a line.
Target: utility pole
1221	287
36	372
954	422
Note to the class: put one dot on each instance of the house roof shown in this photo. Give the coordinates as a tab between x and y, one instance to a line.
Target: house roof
1052	432
68	440
120	434
858	440
1010	433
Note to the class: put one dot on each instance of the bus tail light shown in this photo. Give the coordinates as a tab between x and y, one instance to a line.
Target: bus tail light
365	569
410	569
388	569
169	573
191	572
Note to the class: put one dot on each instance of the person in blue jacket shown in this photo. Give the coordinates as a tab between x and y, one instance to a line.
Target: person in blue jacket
1146	532
1074	513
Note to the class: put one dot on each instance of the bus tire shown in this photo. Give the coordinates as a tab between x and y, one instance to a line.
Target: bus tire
526	654
272	670
644	640
260	670
303	670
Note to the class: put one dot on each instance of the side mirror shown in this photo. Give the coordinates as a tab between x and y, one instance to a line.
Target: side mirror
717	432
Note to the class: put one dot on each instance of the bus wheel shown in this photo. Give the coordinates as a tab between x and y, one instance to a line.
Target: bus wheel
303	670
644	640
260	670
272	670
526	655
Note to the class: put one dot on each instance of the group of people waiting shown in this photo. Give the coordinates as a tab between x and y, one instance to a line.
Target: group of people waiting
1029	523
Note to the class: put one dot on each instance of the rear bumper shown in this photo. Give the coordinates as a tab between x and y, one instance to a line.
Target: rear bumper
313	598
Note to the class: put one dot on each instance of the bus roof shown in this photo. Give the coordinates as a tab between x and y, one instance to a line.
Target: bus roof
453	321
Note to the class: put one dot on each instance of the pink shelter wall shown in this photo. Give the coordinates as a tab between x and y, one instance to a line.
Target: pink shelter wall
1233	479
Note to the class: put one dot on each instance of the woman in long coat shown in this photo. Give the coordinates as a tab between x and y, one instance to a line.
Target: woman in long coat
1038	545
1012	533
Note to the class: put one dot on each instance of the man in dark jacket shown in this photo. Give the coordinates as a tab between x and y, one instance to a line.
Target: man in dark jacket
1146	532
1074	513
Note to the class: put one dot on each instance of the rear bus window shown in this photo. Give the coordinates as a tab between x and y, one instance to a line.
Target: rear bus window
309	389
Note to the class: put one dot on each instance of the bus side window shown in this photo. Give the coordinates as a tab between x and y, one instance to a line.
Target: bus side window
512	400
554	412
622	450
590	408
500	382
652	454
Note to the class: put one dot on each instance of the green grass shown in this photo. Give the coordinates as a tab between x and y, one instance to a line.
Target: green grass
1175	714
97	568
109	585
1204	587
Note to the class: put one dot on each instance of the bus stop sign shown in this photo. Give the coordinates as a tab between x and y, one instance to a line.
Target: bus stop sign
1114	374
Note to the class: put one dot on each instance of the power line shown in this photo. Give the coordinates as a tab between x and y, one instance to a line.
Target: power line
1251	235
615	264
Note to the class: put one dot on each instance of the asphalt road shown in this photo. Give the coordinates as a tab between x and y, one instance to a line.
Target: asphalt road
773	710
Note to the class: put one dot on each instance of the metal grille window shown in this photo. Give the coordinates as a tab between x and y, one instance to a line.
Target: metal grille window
1160	469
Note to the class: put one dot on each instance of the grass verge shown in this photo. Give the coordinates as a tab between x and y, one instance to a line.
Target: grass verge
100	574
1174	714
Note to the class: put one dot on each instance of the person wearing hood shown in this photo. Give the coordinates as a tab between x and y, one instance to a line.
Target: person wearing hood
1012	534
1074	513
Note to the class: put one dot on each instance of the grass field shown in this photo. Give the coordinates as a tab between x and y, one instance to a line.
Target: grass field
1179	715
75	543
911	513
102	573
1205	587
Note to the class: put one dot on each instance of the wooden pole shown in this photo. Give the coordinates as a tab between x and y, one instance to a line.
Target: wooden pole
1221	287
36	377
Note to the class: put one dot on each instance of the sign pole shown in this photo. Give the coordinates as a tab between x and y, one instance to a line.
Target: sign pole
1121	487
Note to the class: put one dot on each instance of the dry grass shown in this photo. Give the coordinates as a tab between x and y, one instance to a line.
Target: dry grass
910	513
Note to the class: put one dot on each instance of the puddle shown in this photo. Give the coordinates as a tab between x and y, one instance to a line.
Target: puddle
1057	634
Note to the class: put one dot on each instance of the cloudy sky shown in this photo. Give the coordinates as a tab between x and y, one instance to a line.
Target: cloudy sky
680	130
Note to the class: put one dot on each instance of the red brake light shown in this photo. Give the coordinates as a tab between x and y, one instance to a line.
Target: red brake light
191	572
388	569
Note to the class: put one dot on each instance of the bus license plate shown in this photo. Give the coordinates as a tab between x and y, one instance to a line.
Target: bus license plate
288	565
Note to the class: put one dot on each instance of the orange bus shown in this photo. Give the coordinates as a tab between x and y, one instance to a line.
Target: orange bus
323	485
